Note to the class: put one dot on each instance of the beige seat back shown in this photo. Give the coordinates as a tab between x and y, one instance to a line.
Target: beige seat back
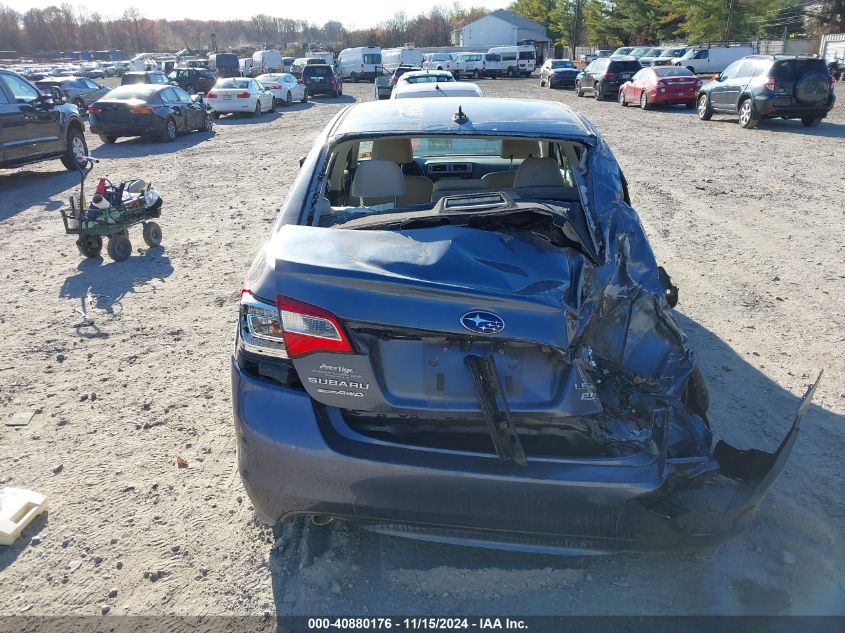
378	182
417	188
542	178
512	149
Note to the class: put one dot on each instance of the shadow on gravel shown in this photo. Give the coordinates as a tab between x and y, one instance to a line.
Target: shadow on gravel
133	147
248	119
8	553
296	106
109	282
25	189
329	100
789	562
792	126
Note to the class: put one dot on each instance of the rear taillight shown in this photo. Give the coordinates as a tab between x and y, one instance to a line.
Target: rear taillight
332	80
94	109
141	110
769	84
242	95
362	66
308	329
275	87
211	95
610	74
260	326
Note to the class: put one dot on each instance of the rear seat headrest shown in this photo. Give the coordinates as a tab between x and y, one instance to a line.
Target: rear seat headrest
538	172
518	148
396	149
378	179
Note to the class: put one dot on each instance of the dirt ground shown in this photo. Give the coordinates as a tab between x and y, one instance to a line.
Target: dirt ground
748	223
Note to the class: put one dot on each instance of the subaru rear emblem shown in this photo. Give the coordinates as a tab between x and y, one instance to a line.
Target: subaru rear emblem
482	322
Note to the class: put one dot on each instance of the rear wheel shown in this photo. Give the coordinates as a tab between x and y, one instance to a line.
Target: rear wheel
76	147
257	112
108	139
747	118
579	92
152	234
644	104
704	109
169	134
597	95
354	78
207	122
288	100
622	101
119	247
89	245
811	121
304	96
476	75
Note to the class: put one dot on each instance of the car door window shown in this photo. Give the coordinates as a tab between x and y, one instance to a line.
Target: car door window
90	84
745	70
730	71
705	54
3	98
169	96
181	95
639	76
21	90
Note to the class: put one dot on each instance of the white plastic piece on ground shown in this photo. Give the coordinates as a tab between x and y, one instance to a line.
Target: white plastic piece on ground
18	508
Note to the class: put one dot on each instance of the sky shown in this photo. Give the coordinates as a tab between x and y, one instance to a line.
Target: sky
351	13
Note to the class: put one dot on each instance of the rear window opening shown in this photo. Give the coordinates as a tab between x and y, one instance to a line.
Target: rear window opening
397	174
317	71
794	68
233	83
527	55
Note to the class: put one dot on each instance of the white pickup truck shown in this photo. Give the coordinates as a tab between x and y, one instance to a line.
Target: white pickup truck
443	61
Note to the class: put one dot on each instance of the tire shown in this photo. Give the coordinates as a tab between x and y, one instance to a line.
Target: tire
89	245
75	146
304	97
152	234
705	111
119	248
108	139
215	115
644	104
257	112
579	92
476	75
597	95
811	121
169	134
621	98
340	91
542	83
354	78
190	89
288	100
689	105
207	122
747	117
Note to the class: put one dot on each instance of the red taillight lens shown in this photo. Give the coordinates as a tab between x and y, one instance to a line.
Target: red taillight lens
332	80
242	95
141	110
309	329
770	83
211	95
610	74
275	87
94	109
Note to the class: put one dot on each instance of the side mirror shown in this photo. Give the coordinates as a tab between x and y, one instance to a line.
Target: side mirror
57	95
197	98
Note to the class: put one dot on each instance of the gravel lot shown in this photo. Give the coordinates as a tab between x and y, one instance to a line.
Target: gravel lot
749	224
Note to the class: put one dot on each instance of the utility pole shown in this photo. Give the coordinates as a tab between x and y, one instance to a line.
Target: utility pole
728	25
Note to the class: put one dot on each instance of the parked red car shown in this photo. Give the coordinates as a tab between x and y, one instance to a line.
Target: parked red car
663	85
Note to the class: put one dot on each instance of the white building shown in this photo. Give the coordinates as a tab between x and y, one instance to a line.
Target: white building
502	28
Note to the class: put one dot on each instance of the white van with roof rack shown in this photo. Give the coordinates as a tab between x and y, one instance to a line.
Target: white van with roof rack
711	59
517	60
477	65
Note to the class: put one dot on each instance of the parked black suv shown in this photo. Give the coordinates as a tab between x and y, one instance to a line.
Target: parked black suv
193	80
36	126
766	86
604	76
320	79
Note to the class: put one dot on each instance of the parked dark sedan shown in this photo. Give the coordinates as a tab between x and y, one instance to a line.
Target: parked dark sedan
605	76
79	91
148	110
145	77
193	80
320	79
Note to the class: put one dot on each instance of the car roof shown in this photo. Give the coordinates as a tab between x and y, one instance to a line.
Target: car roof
424	73
487	116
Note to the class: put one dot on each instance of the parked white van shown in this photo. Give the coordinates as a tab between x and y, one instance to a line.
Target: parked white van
327	55
442	61
713	59
477	65
246	66
392	58
267	62
517	60
362	62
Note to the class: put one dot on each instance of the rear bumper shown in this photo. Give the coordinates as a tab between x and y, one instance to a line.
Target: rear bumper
297	457
670	99
126	129
233	106
321	89
769	106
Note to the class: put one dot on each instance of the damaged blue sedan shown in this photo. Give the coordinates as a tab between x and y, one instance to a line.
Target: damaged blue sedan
457	331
